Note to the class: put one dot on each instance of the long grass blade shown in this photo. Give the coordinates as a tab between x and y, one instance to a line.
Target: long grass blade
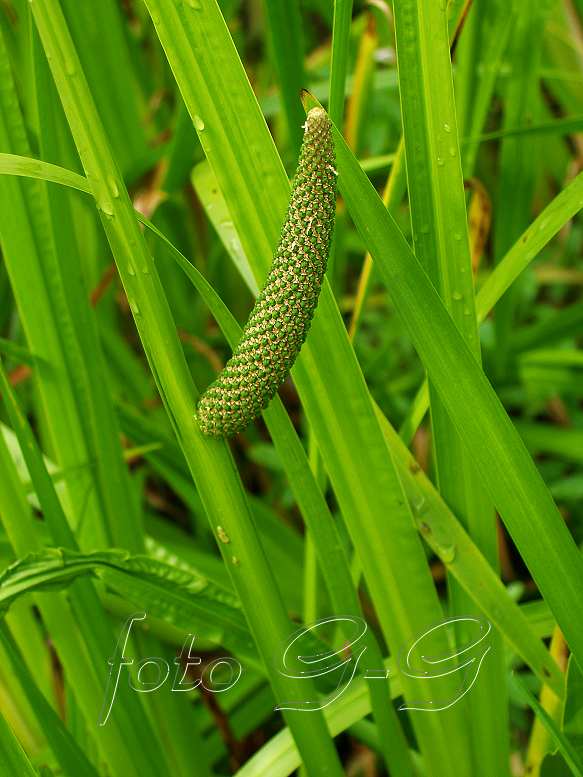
210	463
509	474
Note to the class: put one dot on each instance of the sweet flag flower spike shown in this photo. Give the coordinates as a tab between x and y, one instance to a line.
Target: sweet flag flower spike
282	314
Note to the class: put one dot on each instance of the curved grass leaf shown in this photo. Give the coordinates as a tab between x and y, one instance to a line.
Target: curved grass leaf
279	756
509	474
285	27
69	755
249	172
562	743
210	462
13	759
542	230
538	235
13	164
339	58
29	249
467	569
440	234
178	595
437	524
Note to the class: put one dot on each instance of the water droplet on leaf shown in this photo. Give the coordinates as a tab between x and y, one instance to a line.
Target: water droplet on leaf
222	535
113	187
447	553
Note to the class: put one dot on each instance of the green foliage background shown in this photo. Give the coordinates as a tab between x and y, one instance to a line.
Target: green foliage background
422	463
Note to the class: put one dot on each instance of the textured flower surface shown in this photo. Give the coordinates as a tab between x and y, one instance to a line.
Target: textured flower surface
283	311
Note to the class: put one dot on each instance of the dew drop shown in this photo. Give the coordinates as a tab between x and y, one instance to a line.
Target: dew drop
440	161
194	4
106	208
446	127
447	553
134	307
131	269
198	123
451	151
457	296
235	561
113	187
223	536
